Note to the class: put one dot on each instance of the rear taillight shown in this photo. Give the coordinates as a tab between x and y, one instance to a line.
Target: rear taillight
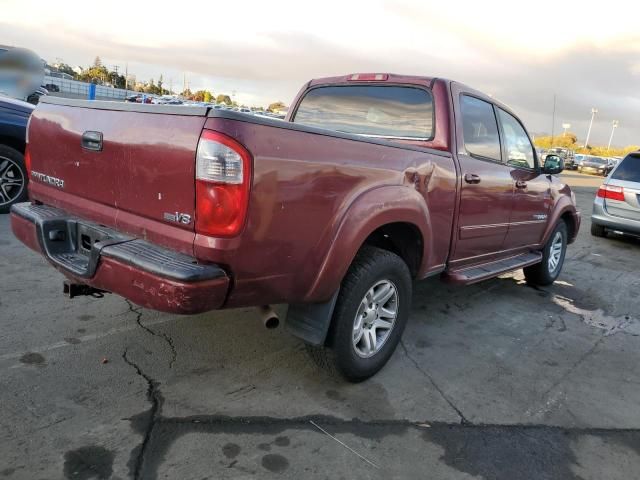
27	155
223	176
611	192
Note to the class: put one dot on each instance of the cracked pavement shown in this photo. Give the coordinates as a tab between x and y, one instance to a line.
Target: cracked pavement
495	380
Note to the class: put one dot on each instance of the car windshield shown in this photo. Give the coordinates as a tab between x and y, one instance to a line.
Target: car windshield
599	161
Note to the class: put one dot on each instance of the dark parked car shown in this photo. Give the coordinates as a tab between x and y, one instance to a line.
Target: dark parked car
617	204
595	165
14	115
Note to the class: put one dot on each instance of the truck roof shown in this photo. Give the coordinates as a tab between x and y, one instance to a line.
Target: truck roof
387	77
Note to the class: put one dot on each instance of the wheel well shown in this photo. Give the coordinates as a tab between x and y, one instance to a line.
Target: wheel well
12	142
403	239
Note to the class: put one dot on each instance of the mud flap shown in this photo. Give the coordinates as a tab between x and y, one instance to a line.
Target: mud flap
310	321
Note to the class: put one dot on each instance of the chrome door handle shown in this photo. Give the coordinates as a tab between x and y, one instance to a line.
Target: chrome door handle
472	178
521	184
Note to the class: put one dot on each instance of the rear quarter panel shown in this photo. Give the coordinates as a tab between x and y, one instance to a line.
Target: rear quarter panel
314	199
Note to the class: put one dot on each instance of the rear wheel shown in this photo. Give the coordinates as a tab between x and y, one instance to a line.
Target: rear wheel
598	230
553	253
13	178
370	315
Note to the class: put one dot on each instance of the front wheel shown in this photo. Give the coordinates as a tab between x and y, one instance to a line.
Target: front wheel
553	253
371	313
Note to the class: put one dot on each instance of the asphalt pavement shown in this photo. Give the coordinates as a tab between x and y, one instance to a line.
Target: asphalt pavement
495	380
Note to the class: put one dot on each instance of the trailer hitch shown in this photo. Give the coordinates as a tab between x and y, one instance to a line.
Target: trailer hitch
80	289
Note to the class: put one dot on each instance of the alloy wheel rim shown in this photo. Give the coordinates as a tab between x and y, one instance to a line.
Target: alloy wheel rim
555	253
11	181
375	318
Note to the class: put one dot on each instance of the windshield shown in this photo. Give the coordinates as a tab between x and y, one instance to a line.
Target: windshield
599	161
371	110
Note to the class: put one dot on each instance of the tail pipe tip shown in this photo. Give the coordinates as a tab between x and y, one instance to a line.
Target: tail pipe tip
269	318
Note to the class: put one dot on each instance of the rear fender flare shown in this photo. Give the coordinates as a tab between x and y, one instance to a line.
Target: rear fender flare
368	212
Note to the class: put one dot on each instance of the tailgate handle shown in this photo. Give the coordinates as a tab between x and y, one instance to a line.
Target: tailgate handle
92	141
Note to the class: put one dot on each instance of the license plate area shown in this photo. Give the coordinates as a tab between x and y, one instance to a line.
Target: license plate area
75	245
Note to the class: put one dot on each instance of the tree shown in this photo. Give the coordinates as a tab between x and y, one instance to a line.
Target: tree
97	62
207	96
160	81
100	74
222	98
276	107
567	140
65	68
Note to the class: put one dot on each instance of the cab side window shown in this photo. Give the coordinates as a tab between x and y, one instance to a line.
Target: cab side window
480	128
518	147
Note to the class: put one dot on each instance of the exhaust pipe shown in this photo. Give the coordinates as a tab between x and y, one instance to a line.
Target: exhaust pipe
80	289
269	318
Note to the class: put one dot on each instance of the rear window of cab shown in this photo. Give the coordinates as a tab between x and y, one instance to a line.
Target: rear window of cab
370	110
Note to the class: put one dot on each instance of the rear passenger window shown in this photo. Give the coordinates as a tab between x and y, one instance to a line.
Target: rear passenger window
480	128
518	147
629	169
371	110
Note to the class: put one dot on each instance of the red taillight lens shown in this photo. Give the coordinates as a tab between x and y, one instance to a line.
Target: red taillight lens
611	192
223	176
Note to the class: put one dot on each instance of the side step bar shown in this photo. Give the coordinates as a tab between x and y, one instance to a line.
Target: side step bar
477	273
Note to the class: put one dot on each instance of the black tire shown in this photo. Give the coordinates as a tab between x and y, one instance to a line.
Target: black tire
598	230
371	267
12	168
542	273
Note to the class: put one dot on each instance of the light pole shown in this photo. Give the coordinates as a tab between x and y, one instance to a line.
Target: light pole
613	129
565	127
593	114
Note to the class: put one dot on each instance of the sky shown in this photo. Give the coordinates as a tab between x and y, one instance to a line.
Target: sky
585	53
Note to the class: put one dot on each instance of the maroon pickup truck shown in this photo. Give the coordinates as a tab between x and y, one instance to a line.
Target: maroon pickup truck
371	182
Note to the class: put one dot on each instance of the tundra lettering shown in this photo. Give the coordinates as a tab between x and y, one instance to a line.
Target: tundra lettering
56	182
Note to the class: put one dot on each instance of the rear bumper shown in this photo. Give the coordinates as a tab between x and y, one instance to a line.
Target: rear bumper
600	216
148	275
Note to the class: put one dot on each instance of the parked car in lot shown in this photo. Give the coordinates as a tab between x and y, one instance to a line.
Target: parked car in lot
595	165
370	183
577	161
14	115
617	204
139	98
566	154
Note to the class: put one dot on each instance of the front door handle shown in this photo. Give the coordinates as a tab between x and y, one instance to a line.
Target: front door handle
521	184
472	178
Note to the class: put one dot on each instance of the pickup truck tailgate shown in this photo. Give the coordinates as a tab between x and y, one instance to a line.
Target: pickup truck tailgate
139	178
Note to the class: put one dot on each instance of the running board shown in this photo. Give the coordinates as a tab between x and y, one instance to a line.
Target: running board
477	273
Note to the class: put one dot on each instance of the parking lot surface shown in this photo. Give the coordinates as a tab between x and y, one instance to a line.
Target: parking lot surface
495	380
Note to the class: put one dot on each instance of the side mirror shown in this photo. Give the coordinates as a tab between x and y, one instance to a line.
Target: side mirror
553	165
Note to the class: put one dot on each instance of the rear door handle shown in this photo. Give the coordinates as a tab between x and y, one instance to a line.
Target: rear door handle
92	141
472	178
521	184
